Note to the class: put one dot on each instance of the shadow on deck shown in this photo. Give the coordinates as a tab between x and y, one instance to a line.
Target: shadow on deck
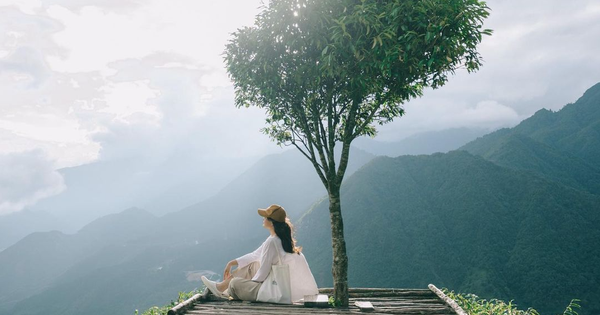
384	301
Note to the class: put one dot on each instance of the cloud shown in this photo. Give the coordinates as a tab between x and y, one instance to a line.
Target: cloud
68	90
37	6
437	113
198	29
41	108
184	114
542	55
25	178
110	79
20	29
121	6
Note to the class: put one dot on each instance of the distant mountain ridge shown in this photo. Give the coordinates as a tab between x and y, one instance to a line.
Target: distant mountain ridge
104	187
143	259
574	130
33	264
421	143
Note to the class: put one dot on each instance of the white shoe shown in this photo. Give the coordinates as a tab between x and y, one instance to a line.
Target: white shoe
212	286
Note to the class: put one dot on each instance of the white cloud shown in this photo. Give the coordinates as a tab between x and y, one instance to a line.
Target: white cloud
26	178
127	100
194	118
542	55
109	5
197	29
35	6
437	113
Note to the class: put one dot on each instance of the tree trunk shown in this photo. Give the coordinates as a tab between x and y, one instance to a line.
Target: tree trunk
340	259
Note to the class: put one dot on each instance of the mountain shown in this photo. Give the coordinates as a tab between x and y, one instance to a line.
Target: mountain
142	259
519	220
521	152
15	226
421	143
287	179
159	185
574	130
467	224
33	264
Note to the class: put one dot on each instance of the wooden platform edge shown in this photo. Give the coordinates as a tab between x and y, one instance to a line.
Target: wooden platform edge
450	302
182	307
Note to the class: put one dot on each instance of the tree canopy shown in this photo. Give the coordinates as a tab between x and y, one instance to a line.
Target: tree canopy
329	71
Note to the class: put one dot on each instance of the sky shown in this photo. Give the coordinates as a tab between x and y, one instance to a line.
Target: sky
92	80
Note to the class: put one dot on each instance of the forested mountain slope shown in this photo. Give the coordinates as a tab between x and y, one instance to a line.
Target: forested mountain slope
574	131
462	222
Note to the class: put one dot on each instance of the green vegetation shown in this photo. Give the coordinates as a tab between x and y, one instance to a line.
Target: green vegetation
474	305
155	310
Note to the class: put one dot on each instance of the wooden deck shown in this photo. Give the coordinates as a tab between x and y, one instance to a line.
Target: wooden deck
385	301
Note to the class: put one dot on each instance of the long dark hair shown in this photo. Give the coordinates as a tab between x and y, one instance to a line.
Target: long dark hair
285	232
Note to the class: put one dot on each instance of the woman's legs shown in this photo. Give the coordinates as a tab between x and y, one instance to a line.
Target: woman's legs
221	286
244	289
246	272
241	286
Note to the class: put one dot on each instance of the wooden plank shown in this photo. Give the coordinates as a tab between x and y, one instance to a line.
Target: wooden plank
274	309
316	300
314	311
362	290
364	306
448	300
291	309
403	301
181	308
392	294
383	301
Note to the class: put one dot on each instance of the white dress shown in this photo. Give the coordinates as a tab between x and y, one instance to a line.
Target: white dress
301	278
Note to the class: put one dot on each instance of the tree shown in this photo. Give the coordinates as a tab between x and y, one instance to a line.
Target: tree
327	71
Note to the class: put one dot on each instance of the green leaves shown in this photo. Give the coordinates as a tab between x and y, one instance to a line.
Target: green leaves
331	70
474	305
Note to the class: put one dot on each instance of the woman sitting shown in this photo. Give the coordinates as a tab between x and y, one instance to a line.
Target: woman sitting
245	282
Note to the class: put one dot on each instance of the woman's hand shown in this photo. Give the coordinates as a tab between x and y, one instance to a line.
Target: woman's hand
227	272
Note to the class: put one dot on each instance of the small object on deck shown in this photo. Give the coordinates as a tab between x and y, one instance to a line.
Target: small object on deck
316	300
364	306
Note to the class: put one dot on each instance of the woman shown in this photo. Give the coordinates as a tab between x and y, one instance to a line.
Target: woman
244	282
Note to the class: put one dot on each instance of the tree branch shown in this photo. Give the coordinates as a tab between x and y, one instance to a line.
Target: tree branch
318	126
314	163
362	126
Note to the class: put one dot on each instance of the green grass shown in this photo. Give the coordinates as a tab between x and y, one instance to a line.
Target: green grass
474	305
162	310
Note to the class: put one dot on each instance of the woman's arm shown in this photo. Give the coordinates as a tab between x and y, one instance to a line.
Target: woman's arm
245	260
268	257
227	272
